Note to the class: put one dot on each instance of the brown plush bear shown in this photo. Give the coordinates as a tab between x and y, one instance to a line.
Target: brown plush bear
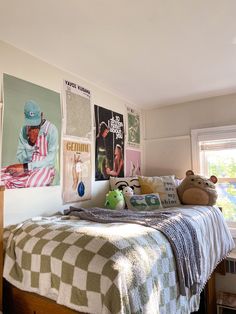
197	190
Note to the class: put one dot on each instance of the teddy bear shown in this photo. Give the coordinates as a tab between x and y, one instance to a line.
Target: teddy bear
197	190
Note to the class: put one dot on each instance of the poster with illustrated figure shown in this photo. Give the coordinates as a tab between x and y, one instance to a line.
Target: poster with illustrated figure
109	141
133	162
31	135
133	121
76	171
77	111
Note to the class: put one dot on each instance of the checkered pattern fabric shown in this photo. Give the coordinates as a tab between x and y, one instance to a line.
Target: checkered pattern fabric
108	268
93	268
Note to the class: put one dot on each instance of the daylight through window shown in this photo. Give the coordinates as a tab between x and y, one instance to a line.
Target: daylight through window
218	157
214	153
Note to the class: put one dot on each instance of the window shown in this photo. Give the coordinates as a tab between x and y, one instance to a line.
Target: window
214	152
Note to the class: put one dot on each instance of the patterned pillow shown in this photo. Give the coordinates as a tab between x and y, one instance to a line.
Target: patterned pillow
164	185
120	183
143	202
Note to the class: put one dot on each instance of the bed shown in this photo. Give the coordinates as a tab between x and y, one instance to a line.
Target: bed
90	267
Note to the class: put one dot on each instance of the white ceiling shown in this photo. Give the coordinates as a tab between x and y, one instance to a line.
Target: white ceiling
152	52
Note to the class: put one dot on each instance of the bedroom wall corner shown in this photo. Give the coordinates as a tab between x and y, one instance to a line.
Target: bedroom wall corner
21	204
168	130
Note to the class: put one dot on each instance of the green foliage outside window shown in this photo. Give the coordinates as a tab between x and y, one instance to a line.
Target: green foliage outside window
225	168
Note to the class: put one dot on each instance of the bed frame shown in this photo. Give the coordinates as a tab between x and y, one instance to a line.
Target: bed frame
16	301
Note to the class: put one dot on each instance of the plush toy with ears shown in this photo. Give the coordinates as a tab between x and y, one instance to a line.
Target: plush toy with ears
197	190
127	191
115	200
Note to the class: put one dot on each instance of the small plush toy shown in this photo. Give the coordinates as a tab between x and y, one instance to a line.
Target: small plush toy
197	190
128	191
115	200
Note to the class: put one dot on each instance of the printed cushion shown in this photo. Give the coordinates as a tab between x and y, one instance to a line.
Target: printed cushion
164	186
143	202
120	183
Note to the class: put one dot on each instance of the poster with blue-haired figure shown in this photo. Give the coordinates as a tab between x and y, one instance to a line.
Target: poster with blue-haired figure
109	157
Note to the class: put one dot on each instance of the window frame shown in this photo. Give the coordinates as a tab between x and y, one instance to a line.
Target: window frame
208	134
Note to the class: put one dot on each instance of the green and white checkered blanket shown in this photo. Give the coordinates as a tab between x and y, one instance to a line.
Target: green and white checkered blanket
97	268
177	229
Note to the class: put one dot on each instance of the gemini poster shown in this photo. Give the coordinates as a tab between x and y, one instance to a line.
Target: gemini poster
109	157
77	111
76	171
31	135
133	118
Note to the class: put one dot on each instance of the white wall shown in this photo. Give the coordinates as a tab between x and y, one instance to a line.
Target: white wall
167	131
21	204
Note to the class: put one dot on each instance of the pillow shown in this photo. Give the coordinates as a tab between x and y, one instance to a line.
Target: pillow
177	181
164	185
120	183
143	202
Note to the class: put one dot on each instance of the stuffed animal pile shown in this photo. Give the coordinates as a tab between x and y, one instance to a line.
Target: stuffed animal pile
197	190
116	199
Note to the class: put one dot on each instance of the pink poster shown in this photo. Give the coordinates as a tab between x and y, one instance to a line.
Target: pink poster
133	162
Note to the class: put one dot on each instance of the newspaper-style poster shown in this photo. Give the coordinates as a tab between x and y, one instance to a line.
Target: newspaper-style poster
76	171
133	162
109	156
31	135
77	111
133	121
